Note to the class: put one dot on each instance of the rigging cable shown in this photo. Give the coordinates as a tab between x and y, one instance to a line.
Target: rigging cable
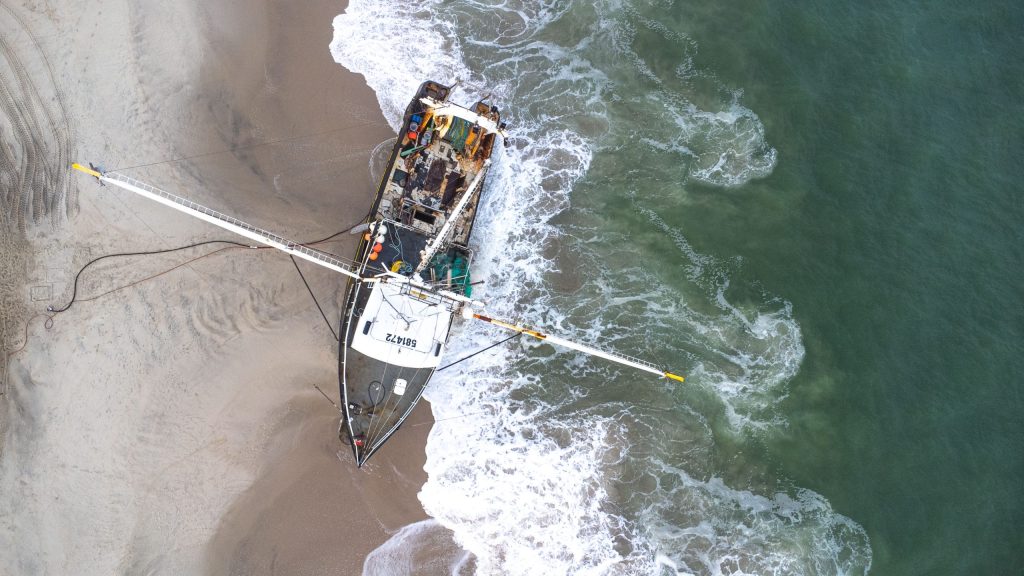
480	351
74	290
315	301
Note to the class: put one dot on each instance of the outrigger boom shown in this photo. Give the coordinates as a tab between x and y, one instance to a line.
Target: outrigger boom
632	362
326	260
222	220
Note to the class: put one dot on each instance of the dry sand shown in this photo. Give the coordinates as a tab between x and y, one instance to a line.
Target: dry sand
172	427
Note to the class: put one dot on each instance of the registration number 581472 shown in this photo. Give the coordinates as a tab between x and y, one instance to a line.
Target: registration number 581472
401	340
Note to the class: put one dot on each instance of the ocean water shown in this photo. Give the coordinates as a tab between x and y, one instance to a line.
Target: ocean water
811	209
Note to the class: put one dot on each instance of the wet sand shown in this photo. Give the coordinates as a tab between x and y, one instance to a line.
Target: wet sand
173	426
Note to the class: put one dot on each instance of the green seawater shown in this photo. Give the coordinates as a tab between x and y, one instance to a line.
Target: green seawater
813	209
892	222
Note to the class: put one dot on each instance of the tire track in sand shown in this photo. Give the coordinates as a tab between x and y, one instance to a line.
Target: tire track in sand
36	148
36	134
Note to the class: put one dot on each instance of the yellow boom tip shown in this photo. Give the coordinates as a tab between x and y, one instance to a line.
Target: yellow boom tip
88	171
674	376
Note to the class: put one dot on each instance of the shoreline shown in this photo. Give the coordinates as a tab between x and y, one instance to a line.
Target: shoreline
176	421
291	519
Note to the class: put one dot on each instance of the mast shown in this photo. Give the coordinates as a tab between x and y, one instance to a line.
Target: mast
428	253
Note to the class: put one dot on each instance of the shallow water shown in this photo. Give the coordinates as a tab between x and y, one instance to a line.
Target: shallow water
809	209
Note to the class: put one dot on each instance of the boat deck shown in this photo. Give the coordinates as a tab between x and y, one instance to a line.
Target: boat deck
395	333
421	189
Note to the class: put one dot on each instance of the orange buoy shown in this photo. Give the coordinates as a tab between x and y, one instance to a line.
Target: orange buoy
378	247
366	236
373	255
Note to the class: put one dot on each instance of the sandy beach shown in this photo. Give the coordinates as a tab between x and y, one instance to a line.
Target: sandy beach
173	427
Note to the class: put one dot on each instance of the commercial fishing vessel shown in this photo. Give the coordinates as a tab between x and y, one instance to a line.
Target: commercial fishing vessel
395	333
410	282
